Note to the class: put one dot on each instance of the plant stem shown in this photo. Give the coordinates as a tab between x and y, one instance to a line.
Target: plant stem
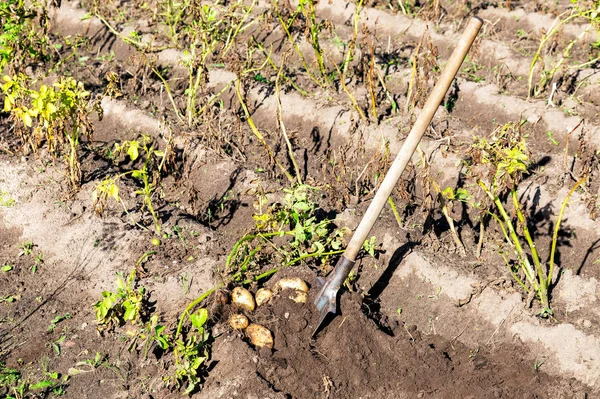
170	94
293	43
270	61
372	85
395	211
347	91
557	228
534	254
523	261
282	125
257	133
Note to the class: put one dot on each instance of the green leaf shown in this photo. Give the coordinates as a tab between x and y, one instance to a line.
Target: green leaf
318	247
6	268
133	150
27	119
41	385
113	191
462	194
302	206
120	283
138	174
199	318
448	193
130	311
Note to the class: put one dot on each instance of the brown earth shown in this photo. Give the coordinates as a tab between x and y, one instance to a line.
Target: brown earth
421	319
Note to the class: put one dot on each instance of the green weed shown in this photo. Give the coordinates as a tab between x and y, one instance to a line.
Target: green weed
191	351
26	248
13	385
6	200
57	320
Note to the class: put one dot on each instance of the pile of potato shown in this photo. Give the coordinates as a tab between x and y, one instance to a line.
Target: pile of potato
259	335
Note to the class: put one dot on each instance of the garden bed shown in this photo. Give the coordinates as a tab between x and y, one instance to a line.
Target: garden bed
263	169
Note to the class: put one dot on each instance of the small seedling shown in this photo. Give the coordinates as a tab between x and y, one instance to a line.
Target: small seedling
369	246
191	351
126	304
98	360
9	298
56	344
39	259
551	139
18	387
185	282
57	320
26	248
5	200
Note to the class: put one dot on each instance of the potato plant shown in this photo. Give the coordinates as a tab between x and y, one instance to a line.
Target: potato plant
542	63
148	175
292	229
57	115
498	165
21	40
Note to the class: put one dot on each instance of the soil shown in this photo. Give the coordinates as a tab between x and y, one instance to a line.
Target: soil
419	319
353	357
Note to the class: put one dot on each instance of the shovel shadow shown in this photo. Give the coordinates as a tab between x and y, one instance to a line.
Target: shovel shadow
384	280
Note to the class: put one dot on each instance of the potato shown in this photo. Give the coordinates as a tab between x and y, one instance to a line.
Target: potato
292	283
238	321
260	336
263	296
243	298
299	297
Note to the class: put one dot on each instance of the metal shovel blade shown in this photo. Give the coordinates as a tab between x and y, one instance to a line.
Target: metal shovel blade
326	300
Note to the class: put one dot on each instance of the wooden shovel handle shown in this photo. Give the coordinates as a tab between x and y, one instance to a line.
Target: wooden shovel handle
413	139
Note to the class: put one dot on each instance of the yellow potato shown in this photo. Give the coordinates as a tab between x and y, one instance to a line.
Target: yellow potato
238	321
263	296
243	298
299	297
260	336
292	283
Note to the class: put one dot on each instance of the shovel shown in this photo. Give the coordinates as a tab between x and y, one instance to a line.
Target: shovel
326	300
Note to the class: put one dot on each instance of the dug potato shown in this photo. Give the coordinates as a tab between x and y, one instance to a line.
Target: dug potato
299	297
238	321
292	283
259	335
243	298
263	296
